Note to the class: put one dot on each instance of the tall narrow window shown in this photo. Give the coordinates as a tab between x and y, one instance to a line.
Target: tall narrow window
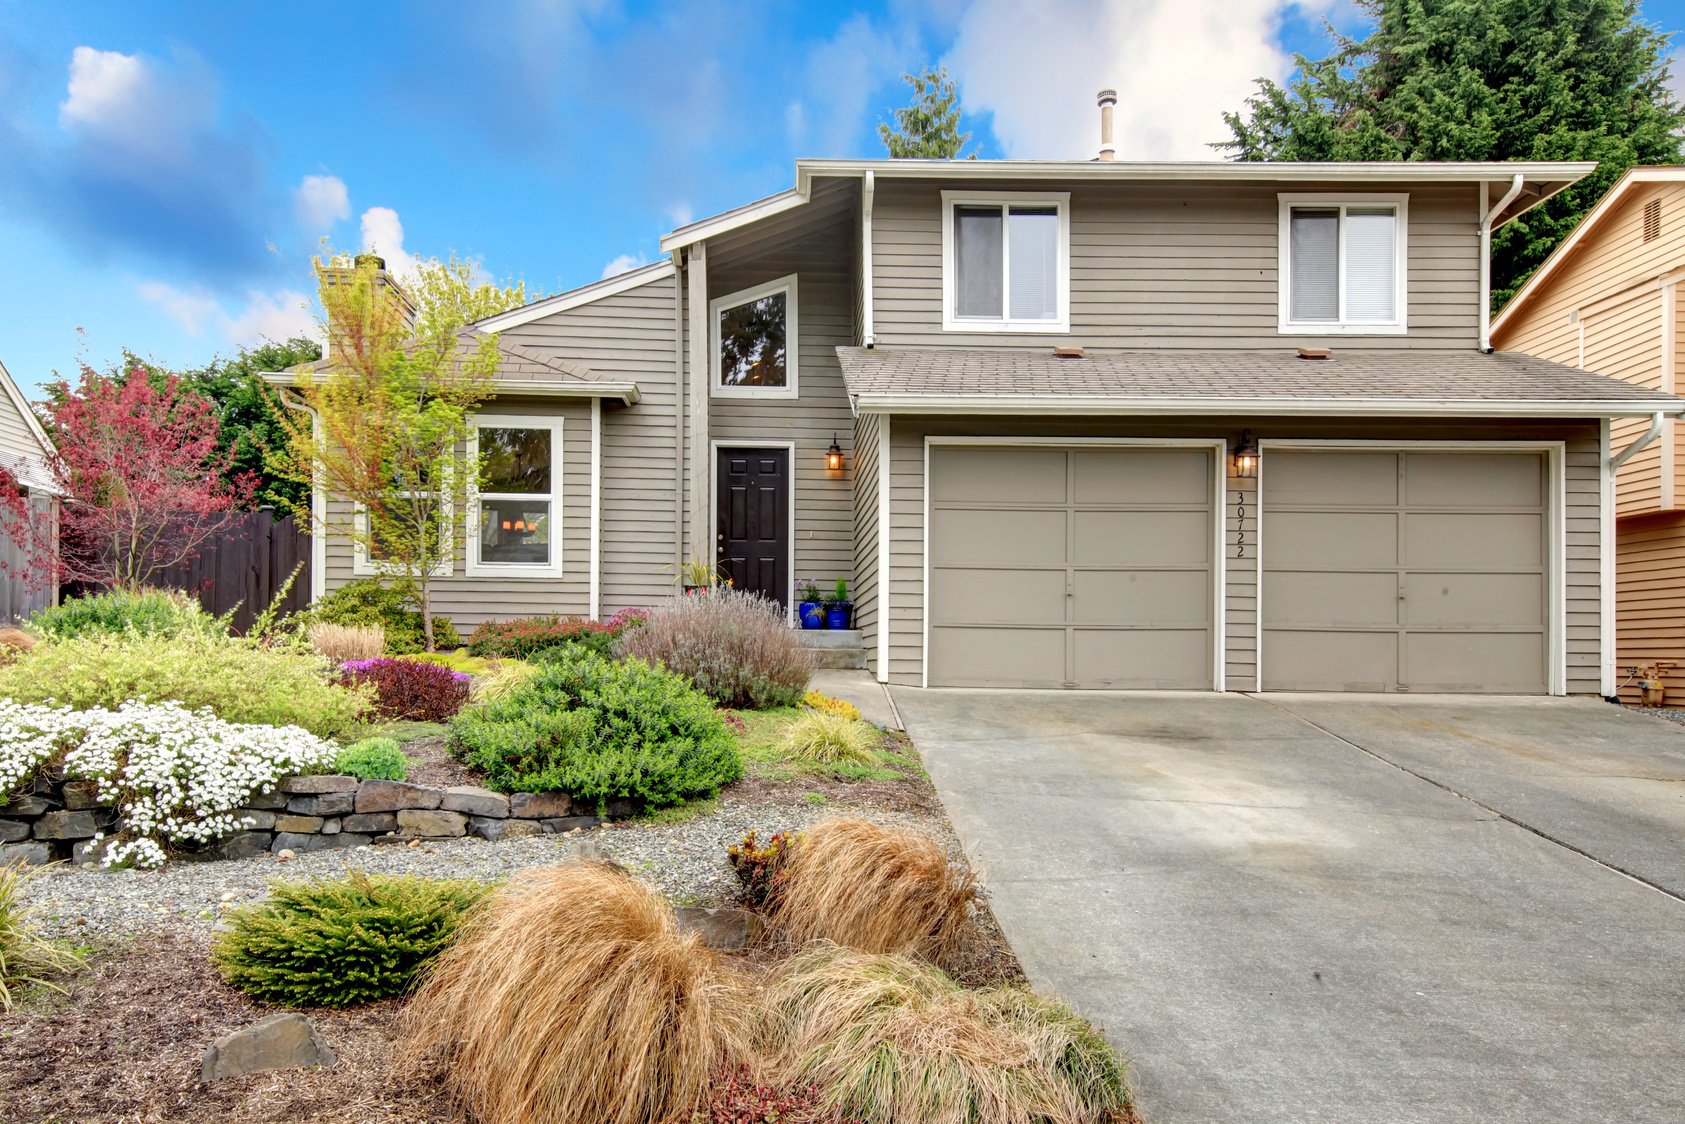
1006	263
515	505
754	341
1342	265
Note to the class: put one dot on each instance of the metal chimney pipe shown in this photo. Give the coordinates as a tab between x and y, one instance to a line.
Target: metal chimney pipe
1108	150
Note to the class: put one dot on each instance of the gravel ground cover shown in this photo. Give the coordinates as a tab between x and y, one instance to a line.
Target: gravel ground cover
1674	714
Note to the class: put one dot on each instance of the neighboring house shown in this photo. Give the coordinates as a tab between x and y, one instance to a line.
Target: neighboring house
1085	440
1607	301
24	449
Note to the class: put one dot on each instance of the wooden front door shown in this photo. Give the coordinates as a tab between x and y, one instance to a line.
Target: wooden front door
752	522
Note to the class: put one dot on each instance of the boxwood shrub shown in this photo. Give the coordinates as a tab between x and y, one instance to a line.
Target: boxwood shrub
600	730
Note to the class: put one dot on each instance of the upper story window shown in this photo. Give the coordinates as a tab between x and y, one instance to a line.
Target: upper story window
1006	262
754	341
516	518
1342	264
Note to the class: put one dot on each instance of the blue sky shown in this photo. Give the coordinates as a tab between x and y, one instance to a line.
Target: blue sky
169	167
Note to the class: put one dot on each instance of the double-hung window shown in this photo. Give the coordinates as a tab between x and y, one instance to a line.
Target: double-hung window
1342	262
516	510
1006	262
371	551
754	341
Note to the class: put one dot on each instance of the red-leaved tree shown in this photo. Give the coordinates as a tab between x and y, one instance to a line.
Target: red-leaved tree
140	480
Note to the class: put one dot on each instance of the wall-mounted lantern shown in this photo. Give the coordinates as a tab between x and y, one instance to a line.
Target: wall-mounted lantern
834	456
1246	456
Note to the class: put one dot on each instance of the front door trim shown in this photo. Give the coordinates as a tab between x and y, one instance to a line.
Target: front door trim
1219	552
1556	619
712	552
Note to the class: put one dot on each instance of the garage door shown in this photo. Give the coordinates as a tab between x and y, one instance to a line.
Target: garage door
1405	571
1068	567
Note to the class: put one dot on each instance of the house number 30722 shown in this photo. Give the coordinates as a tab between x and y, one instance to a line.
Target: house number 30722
1240	526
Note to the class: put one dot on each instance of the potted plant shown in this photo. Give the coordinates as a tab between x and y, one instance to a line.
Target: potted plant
810	607
838	608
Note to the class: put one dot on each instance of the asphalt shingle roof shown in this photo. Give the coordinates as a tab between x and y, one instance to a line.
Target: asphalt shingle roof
1404	375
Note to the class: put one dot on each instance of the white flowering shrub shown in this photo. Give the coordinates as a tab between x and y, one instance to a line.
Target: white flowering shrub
175	775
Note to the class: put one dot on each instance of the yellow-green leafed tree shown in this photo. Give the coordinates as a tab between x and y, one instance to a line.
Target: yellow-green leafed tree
389	411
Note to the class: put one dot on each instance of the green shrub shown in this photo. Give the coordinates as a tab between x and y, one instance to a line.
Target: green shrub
736	647
333	943
239	681
600	730
152	612
373	759
370	601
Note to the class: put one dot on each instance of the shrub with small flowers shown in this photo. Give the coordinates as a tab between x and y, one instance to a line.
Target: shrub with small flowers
411	689
175	775
538	637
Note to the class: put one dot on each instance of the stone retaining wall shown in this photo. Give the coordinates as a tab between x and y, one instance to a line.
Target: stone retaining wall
314	813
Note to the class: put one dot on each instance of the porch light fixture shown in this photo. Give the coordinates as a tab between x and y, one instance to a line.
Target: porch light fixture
1246	456
834	456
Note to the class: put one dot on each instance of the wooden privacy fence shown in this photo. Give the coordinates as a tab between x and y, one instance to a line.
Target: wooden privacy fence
243	568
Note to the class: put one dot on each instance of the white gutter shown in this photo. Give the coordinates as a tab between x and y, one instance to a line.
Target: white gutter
1648	436
1389	171
625	392
1515	185
1068	404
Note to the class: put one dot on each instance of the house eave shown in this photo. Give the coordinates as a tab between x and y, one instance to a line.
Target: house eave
1068	405
626	393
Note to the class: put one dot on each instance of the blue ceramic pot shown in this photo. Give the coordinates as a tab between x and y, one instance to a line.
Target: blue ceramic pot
811	614
836	616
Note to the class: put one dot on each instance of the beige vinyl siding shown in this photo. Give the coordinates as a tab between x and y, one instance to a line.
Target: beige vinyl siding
1581	522
1184	265
629	335
1240	582
469	600
815	243
866	605
1650	595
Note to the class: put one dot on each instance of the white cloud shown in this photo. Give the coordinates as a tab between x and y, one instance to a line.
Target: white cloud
1177	65
279	315
623	264
126	103
1676	75
321	201
848	69
680	214
383	234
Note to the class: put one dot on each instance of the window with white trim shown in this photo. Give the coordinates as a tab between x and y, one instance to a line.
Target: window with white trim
368	556
1342	264
515	511
1006	262
754	341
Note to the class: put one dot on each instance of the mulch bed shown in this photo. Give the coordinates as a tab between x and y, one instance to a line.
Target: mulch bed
432	765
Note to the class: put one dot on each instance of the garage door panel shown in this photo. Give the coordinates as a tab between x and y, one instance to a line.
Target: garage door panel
1306	660
1330	479
1008	538
1330	540
1142	597
993	657
997	596
1331	599
1473	480
992	475
1444	540
1475	662
1475	601
1168	476
1142	538
1164	659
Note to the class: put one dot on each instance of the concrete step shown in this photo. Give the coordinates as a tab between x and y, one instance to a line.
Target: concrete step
829	638
838	650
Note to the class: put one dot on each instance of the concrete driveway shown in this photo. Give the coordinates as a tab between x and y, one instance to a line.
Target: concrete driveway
1322	908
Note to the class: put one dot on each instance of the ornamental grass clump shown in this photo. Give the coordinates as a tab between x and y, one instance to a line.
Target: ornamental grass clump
600	730
341	642
411	690
736	647
338	942
394	608
27	959
175	776
894	1041
876	889
822	738
574	998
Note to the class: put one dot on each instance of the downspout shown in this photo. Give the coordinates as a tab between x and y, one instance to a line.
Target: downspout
1515	185
1649	435
318	507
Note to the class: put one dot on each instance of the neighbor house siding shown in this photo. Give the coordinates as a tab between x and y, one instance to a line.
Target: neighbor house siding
629	335
1166	266
1650	600
867	608
1580	519
17	440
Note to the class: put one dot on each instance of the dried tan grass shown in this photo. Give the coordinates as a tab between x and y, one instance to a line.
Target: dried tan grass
16	638
574	999
875	889
341	642
895	1041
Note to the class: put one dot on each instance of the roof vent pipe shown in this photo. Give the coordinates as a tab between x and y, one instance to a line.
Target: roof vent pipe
1108	150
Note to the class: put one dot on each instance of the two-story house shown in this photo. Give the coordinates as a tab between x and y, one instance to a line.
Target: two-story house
1607	300
1211	426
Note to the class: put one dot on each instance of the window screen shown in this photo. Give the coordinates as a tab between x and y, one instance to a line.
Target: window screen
1314	258
978	262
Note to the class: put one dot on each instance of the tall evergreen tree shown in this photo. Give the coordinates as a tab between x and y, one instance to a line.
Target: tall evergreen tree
1481	80
929	128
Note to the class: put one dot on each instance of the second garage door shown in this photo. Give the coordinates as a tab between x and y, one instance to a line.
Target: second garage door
1071	567
1405	571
